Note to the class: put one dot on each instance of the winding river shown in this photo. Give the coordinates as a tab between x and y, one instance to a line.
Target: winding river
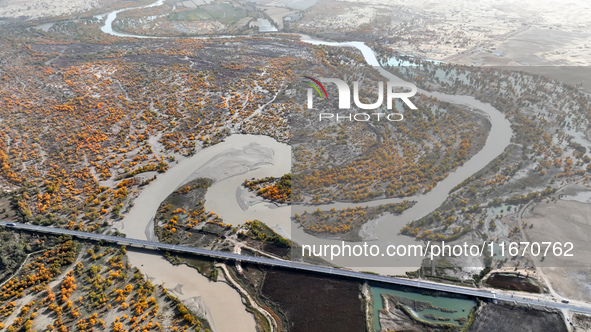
108	26
248	156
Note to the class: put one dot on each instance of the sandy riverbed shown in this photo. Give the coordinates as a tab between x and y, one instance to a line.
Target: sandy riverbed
564	221
216	301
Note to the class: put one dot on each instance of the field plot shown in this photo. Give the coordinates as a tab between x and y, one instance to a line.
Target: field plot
224	12
314	303
497	318
189	18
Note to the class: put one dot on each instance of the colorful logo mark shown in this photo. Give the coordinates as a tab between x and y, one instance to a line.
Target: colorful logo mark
316	87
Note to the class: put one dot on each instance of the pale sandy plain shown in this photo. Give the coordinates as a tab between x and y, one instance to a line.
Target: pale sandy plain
564	221
47	8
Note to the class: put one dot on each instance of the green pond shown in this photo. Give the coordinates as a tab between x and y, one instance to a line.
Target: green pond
462	307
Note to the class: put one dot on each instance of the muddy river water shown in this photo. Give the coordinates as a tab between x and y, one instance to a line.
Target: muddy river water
247	156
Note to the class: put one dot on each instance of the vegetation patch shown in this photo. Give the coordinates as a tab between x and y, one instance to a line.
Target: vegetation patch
76	286
181	217
260	231
271	188
347	220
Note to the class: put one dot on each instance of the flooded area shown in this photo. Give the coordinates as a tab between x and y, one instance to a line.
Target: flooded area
44	27
261	157
215	301
265	25
454	308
